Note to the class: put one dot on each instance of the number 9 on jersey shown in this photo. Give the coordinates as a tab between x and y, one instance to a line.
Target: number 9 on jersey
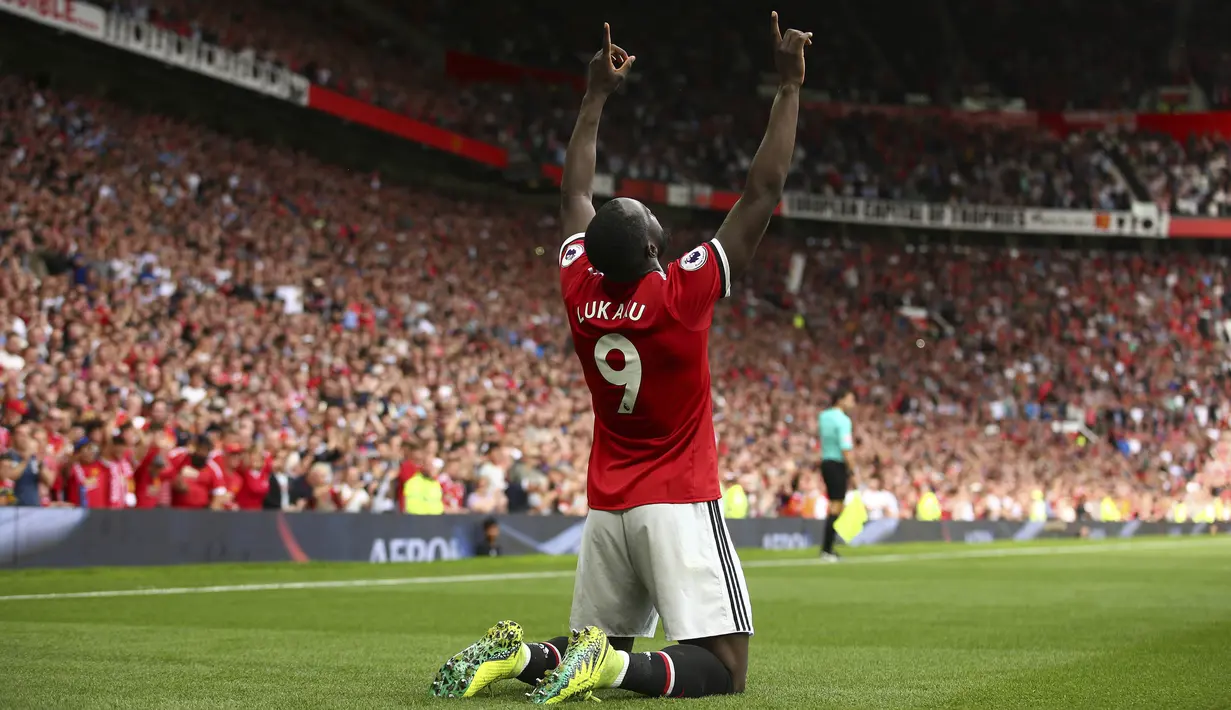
630	377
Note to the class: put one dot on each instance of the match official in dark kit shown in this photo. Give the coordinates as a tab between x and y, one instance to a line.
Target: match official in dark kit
837	441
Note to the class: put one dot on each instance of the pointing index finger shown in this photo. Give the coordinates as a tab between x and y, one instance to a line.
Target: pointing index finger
607	37
777	32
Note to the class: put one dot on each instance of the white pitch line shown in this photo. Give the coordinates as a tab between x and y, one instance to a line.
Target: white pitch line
994	552
277	586
559	574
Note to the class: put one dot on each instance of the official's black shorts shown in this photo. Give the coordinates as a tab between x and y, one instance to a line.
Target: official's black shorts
837	478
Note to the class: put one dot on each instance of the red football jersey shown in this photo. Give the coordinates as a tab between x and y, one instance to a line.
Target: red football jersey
644	348
248	487
201	485
90	485
150	487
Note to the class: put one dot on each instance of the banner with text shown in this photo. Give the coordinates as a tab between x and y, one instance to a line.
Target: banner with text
976	218
1144	222
982	531
78	537
68	15
238	68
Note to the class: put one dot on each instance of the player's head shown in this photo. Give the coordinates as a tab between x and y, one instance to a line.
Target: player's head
625	240
844	399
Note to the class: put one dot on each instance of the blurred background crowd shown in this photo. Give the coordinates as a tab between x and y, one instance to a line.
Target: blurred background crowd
193	319
694	120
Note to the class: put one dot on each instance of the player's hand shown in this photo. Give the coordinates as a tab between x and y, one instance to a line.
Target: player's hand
789	53
609	67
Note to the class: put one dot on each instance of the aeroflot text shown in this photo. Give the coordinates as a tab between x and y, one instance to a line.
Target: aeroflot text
414	549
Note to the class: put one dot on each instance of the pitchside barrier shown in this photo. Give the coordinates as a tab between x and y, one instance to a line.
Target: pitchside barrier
72	537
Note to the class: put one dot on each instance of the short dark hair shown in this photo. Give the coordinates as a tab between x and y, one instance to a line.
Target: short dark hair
616	240
840	394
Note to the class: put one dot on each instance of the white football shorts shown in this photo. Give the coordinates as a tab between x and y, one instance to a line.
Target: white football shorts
673	560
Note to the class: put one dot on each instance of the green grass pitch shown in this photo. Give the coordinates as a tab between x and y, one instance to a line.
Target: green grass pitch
1073	625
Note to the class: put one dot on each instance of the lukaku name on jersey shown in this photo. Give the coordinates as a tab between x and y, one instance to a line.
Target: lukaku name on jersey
598	310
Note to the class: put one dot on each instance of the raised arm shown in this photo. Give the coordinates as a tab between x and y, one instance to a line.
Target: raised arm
608	69
743	228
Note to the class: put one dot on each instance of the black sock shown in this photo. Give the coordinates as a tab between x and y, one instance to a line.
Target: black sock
680	671
830	534
543	657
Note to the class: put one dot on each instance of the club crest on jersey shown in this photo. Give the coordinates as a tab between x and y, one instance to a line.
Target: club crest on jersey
573	253
694	259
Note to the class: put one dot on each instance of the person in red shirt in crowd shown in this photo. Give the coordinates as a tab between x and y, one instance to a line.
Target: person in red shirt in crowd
88	482
248	485
149	484
214	438
223	463
119	467
196	484
91	482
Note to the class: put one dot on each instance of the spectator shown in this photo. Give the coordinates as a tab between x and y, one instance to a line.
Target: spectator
423	495
312	490
489	543
351	495
879	503
486	499
19	480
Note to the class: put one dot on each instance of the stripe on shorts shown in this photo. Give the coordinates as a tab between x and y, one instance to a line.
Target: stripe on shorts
739	611
729	548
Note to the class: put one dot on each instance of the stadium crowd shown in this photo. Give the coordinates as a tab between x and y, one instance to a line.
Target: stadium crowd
1192	178
689	124
197	321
